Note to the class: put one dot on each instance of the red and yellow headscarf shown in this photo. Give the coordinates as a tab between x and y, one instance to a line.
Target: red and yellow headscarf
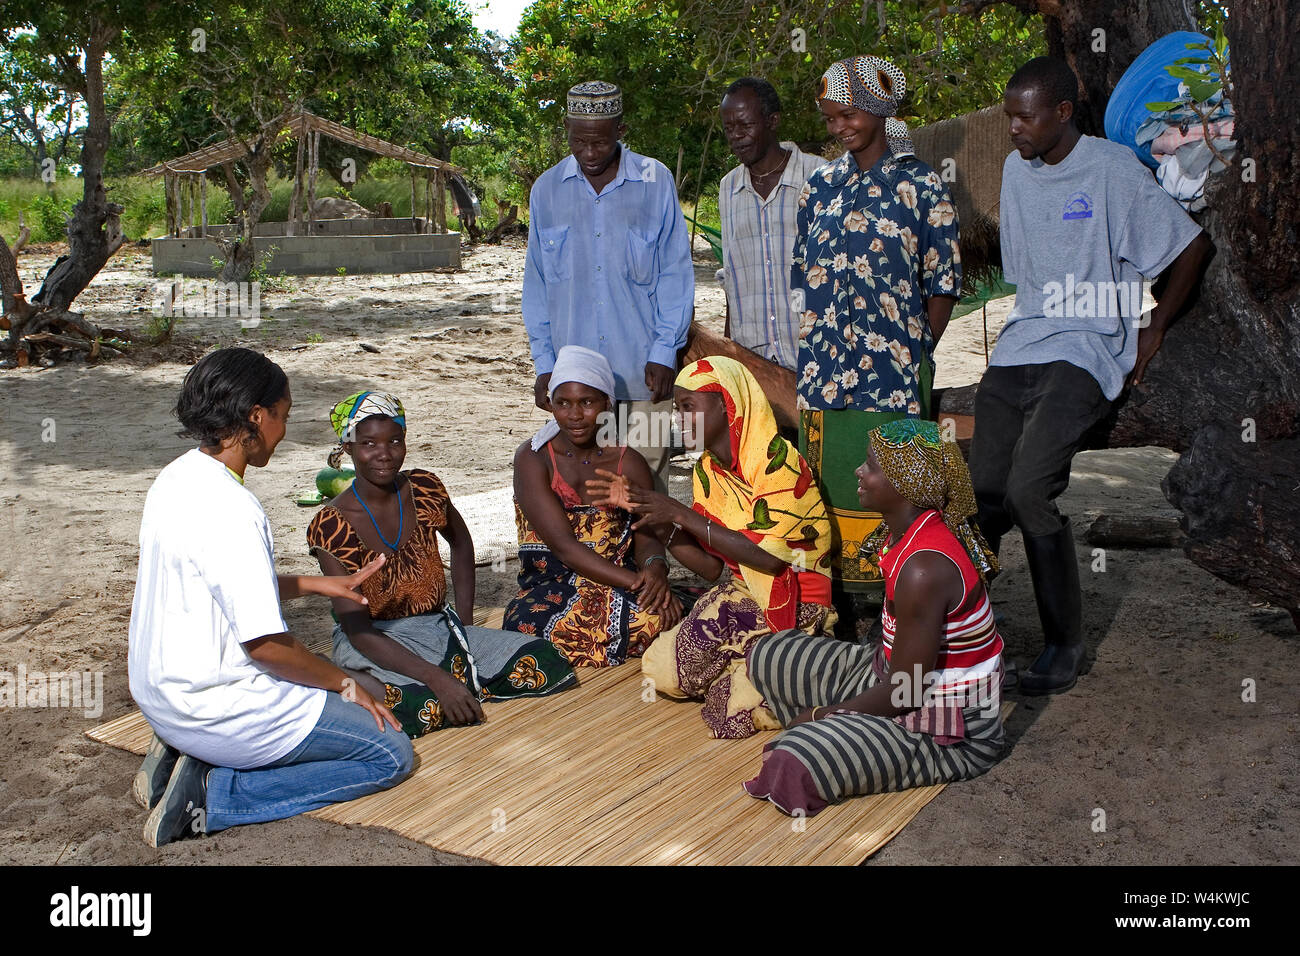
768	494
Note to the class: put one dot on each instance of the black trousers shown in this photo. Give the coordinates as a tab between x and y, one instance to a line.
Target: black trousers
1030	420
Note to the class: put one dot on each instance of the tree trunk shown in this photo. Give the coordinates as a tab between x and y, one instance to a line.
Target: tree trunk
94	232
240	253
1224	390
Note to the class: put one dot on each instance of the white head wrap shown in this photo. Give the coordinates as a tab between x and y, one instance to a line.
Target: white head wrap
575	364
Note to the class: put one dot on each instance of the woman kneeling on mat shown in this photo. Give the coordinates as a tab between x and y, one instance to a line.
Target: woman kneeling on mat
925	707
757	513
407	646
248	725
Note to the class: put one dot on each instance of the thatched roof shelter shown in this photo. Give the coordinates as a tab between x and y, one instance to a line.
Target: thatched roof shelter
185	176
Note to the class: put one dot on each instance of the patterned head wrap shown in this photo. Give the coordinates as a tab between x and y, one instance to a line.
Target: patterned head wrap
585	366
354	409
768	494
898	138
866	83
595	99
931	473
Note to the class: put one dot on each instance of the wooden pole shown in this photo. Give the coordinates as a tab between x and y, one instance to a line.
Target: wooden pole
170	199
311	182
203	202
412	168
441	200
984	311
699	188
295	204
428	203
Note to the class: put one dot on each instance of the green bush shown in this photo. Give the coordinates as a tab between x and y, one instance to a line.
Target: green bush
49	218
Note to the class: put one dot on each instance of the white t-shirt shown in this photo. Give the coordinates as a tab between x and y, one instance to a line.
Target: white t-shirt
206	585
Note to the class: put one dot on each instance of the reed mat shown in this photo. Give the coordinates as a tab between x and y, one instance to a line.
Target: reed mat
604	773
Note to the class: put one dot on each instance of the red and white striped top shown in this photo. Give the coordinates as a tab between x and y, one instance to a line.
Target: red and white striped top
968	669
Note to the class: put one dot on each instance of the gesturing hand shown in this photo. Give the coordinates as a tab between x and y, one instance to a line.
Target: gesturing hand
336	586
611	490
652	507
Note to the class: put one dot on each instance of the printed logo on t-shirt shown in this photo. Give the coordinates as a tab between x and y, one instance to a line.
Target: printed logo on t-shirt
1078	206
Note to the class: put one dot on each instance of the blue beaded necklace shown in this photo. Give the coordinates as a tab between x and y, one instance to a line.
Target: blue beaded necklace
391	545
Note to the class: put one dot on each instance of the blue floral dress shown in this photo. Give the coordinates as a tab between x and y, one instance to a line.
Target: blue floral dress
872	247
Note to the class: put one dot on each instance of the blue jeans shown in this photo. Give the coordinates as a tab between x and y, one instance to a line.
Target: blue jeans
344	757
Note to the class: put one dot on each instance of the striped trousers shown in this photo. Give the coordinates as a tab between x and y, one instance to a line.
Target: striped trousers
843	755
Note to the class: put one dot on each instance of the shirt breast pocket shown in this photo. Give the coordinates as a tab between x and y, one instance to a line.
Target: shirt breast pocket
557	265
640	258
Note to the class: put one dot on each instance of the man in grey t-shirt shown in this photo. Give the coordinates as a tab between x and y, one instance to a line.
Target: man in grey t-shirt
1082	222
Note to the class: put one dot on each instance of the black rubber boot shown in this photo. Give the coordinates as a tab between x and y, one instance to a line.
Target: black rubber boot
1054	569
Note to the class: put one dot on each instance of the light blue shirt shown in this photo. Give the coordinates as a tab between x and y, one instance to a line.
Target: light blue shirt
1077	238
611	272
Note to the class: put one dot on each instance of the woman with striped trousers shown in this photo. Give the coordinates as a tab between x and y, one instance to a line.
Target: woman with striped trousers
925	706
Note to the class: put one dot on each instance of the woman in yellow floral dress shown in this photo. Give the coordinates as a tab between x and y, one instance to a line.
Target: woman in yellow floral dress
757	513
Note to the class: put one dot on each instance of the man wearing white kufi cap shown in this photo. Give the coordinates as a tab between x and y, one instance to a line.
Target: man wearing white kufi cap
609	265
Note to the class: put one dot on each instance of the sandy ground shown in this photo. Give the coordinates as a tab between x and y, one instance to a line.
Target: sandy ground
1156	742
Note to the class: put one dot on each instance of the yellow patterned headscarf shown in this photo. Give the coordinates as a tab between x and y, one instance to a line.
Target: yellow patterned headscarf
768	494
931	473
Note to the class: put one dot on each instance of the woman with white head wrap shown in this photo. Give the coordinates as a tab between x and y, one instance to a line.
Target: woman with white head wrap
588	583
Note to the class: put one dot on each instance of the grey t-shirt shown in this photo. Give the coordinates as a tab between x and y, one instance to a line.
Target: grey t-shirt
1077	238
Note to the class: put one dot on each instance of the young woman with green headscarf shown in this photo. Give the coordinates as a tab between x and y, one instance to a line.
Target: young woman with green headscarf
407	645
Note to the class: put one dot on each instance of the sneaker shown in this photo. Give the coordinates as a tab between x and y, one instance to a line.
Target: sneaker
151	779
180	812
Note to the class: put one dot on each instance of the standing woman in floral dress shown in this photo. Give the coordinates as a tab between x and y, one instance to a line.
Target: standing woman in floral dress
878	270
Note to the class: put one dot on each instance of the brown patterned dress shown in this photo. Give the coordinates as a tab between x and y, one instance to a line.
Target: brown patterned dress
412	580
407	604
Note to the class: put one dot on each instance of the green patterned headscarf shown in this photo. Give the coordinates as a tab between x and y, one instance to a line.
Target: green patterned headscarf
353	410
931	473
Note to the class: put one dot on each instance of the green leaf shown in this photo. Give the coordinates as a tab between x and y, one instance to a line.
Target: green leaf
762	520
776	450
703	477
1161	107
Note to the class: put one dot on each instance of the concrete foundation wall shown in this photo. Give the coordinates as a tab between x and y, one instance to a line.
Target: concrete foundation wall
320	254
323	227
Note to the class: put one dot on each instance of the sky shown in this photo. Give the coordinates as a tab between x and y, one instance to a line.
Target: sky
499	15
